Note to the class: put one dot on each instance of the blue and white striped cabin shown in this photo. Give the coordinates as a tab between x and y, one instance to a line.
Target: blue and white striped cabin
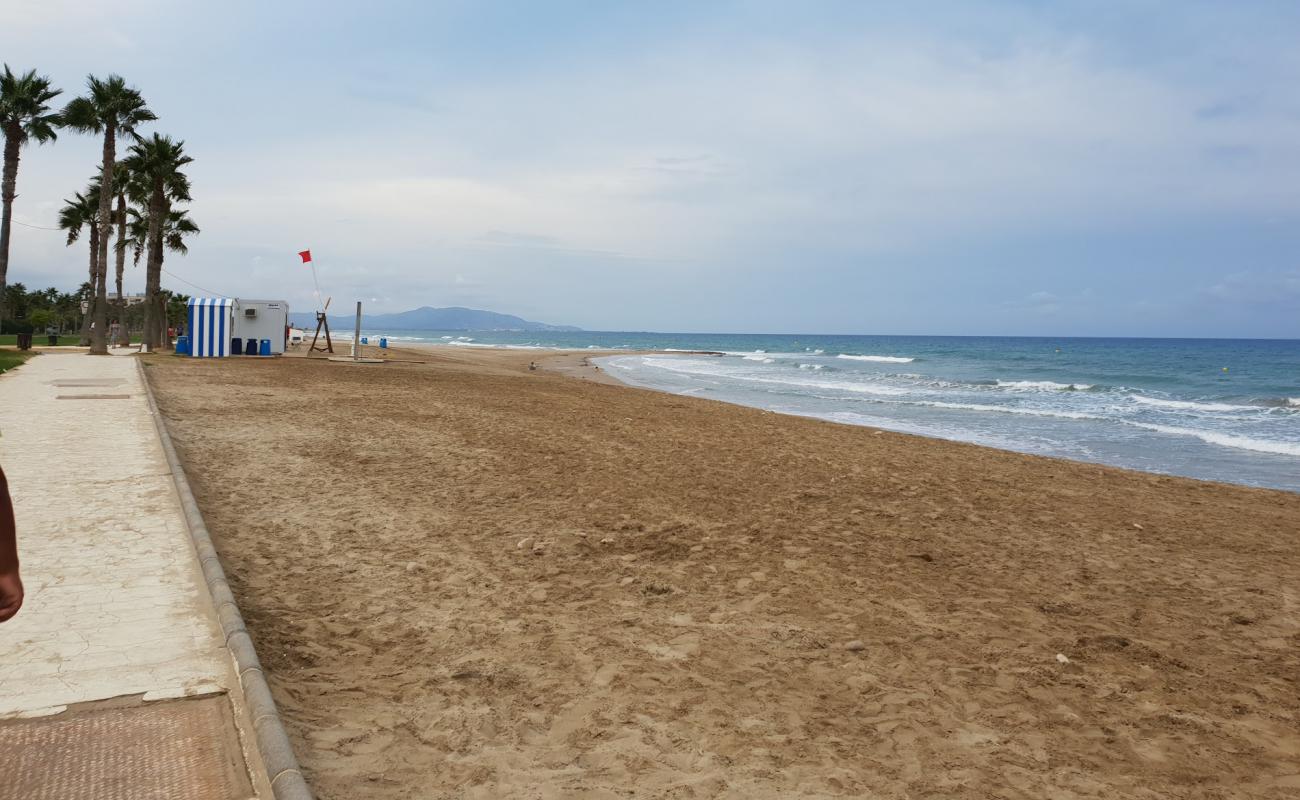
210	326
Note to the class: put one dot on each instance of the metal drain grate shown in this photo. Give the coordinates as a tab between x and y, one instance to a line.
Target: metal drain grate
154	751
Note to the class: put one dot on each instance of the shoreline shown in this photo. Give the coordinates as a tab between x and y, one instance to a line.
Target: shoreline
576	364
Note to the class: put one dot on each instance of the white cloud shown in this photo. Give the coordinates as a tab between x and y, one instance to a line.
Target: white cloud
706	155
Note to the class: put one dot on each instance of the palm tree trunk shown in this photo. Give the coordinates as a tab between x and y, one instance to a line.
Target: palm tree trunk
165	341
88	317
163	323
153	267
123	335
99	338
8	189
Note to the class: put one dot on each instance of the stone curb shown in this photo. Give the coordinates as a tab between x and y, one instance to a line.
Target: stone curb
286	777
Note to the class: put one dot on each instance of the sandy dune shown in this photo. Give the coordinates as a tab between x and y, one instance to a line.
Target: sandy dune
482	581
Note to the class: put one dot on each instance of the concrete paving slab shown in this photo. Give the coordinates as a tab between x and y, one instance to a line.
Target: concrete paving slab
116	602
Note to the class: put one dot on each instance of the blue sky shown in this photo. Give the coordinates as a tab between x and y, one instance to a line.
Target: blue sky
1013	168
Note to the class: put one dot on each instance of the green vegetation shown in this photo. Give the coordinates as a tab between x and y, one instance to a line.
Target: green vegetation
24	115
129	202
155	164
13	358
39	340
110	108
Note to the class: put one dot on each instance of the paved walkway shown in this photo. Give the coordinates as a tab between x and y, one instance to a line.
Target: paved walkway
116	606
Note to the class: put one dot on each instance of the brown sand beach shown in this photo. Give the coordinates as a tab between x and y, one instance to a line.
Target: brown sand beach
467	579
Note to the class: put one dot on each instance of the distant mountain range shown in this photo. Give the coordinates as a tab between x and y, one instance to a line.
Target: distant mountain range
431	319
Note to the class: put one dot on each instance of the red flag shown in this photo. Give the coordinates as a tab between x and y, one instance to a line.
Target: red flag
306	256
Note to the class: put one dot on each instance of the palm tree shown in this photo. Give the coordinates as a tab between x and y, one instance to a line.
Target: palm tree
172	233
63	305
24	115
174	229
83	212
156	162
121	181
111	108
15	299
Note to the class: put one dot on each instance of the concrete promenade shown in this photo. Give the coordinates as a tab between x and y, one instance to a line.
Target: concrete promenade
114	678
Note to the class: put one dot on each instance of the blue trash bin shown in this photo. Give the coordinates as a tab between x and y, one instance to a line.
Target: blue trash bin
182	345
250	349
236	347
365	340
383	342
265	349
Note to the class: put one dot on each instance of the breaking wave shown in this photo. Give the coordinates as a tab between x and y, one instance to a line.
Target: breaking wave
1188	405
881	359
1045	385
1227	439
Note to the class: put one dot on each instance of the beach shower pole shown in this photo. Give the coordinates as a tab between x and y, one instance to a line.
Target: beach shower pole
356	336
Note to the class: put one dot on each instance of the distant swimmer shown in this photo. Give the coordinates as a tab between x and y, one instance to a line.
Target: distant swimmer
532	365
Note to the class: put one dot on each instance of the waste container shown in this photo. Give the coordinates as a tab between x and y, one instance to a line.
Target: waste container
265	348
365	340
182	345
251	348
54	339
24	341
236	347
383	343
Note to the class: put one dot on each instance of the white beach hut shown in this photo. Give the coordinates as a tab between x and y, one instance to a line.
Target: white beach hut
262	320
209	326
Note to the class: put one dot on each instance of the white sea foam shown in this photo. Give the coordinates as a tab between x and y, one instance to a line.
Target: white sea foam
845	386
880	359
929	430
1188	405
1293	401
1226	439
1045	385
761	359
496	346
1032	412
811	366
718	369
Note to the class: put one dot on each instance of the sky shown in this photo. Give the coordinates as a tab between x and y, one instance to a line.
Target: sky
954	168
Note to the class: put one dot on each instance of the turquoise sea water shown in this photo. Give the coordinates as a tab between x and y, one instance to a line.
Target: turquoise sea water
1218	409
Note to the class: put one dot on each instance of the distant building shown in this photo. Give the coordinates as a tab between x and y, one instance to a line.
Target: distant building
129	299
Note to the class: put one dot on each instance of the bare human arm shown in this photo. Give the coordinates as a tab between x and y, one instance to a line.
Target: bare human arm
11	586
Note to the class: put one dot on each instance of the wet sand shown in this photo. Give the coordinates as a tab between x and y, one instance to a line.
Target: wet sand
468	579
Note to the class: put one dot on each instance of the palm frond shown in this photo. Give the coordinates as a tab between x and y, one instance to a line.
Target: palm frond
109	101
80	115
24	105
157	162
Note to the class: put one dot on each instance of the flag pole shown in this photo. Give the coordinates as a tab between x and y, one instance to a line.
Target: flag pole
305	255
316	281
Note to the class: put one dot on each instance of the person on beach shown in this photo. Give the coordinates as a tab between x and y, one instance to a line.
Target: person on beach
11	586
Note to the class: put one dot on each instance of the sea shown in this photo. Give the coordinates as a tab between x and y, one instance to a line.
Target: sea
1217	409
